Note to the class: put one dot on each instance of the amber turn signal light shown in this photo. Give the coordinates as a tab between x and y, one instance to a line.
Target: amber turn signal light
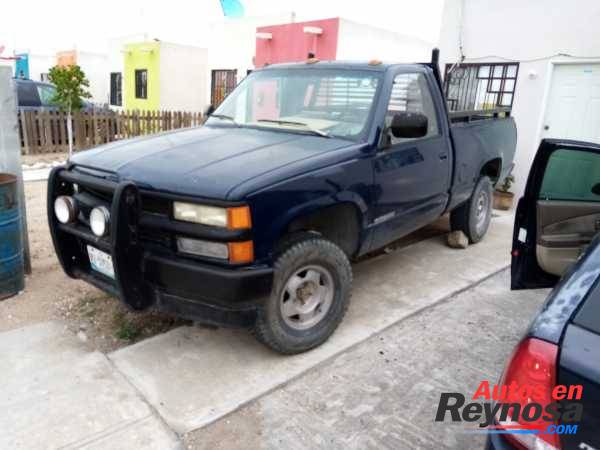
241	252
239	218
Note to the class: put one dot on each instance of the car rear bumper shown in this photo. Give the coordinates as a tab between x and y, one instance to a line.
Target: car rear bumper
150	276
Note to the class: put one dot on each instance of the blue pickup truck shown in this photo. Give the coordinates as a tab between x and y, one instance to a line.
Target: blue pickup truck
252	220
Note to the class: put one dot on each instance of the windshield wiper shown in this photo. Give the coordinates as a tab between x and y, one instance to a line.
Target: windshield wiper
302	124
225	117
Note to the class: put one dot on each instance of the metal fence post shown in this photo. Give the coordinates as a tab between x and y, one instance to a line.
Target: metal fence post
10	147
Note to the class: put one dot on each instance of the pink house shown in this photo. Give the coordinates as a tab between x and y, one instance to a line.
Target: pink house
293	41
335	38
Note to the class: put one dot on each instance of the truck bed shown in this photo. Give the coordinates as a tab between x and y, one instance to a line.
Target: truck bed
478	137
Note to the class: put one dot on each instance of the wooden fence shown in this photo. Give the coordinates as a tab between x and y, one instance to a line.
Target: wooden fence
46	131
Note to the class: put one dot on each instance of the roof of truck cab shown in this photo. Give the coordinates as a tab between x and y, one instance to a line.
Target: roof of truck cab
341	65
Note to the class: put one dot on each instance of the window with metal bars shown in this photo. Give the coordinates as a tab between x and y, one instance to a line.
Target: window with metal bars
116	90
480	86
141	83
345	92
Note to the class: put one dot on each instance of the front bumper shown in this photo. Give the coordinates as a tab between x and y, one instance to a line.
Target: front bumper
150	275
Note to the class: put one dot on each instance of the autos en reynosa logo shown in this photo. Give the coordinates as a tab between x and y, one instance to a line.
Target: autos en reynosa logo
509	409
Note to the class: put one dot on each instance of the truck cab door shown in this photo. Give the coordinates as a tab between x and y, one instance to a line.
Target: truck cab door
559	214
412	175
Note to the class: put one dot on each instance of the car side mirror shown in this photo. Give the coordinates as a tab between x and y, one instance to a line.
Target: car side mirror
407	124
596	189
209	110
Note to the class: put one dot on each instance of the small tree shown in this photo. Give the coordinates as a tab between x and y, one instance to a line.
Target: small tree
70	82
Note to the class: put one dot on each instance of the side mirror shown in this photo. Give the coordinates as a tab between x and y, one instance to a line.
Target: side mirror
409	125
209	110
596	189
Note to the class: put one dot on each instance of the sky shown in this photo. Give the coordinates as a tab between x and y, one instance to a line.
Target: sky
48	27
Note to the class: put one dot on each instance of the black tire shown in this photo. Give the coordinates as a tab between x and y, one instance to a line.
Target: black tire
468	216
279	332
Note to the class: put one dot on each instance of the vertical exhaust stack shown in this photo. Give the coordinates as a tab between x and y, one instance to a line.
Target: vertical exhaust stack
435	56
435	65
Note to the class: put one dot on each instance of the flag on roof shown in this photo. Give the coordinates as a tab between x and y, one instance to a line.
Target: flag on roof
232	8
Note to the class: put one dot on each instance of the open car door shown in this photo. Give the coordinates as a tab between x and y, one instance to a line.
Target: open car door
559	214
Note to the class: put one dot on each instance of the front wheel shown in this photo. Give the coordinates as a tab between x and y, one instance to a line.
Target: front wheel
473	217
310	295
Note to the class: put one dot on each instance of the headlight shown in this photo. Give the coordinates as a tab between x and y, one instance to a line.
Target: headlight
99	221
235	218
207	215
65	209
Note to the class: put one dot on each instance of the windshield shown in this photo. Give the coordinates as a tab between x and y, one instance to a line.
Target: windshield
325	102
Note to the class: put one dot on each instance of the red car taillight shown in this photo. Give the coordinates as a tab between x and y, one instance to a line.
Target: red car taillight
532	365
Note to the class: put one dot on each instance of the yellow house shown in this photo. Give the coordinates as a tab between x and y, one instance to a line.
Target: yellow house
163	76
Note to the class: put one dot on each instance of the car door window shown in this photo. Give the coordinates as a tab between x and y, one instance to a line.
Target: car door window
410	92
568	208
571	175
46	94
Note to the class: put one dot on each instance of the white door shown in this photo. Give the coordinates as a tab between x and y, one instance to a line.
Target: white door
573	110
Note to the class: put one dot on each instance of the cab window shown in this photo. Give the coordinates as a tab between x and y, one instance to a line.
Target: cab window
571	175
410	92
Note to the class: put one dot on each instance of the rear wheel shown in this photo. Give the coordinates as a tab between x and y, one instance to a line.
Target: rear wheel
310	295
473	217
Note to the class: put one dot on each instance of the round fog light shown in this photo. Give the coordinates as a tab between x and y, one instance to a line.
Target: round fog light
99	221
65	209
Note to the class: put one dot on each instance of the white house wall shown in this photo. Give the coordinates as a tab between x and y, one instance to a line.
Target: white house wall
183	73
529	32
94	66
40	64
231	43
364	42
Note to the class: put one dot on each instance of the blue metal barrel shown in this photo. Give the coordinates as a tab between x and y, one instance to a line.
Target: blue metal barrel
12	278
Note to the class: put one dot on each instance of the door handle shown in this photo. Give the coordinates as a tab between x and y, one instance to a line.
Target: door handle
443	156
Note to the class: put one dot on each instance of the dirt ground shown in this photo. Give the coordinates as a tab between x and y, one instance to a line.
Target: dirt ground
30	160
99	320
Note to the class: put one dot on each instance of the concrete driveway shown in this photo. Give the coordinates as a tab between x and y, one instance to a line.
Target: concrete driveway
162	389
383	393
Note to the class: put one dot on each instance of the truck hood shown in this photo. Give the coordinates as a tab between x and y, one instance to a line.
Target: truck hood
205	161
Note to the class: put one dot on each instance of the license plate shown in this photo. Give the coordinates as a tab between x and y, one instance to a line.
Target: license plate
101	261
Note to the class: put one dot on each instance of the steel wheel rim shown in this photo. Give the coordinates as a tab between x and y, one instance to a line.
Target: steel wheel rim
482	210
306	297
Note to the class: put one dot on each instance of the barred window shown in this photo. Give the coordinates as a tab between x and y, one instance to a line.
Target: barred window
346	92
141	83
480	86
116	89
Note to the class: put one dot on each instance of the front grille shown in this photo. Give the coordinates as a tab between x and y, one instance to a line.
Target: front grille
156	237
156	205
